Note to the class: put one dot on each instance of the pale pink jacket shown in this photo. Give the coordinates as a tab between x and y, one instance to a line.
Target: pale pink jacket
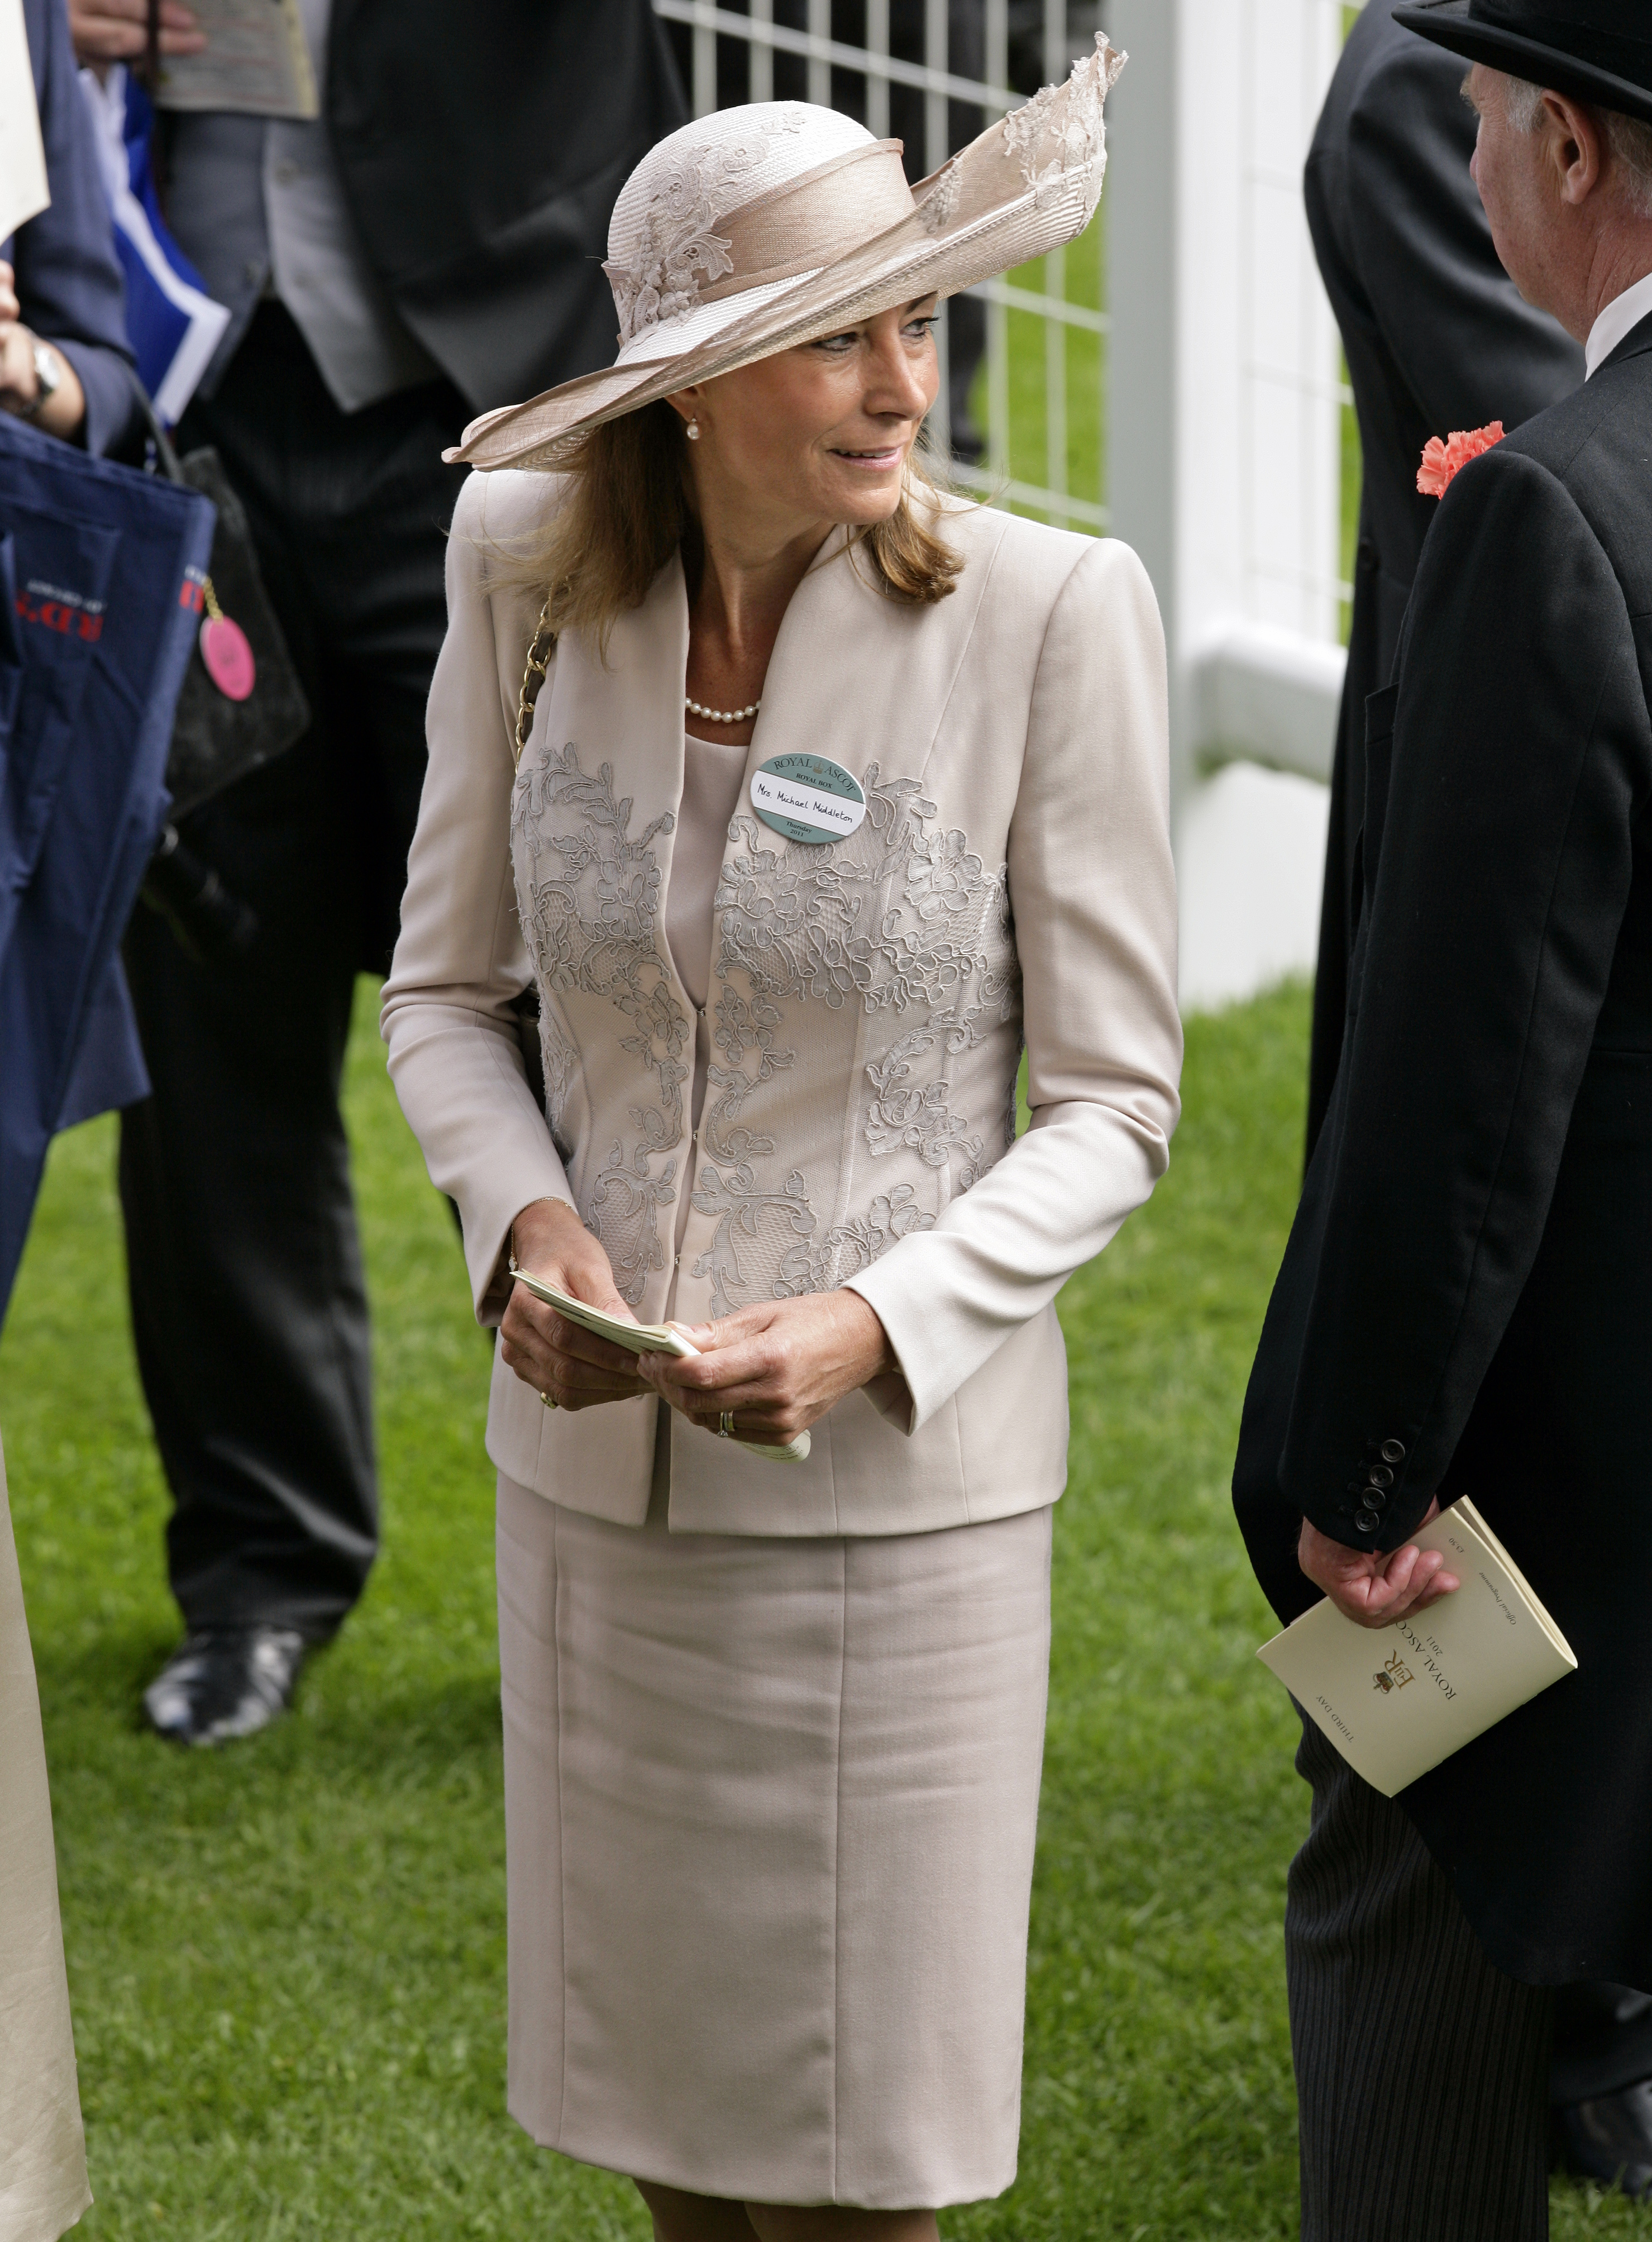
870	999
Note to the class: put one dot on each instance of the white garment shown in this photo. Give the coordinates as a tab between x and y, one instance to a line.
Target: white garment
42	2149
319	263
1621	316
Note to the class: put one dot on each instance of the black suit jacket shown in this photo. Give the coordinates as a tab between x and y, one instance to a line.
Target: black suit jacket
481	151
1468	1279
1437	337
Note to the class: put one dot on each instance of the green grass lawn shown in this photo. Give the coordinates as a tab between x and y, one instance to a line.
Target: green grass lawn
287	1958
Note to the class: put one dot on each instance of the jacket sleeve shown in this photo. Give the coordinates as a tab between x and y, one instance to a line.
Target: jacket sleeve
449	1013
1470	347
1093	891
69	280
1522	758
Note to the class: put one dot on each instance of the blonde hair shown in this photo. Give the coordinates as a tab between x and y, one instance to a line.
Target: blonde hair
629	508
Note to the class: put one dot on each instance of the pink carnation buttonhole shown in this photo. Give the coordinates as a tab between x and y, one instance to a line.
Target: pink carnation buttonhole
1442	462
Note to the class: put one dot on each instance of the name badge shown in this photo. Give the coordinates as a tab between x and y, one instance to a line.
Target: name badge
808	798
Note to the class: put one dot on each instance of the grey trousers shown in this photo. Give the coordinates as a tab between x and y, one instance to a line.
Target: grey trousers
1422	2071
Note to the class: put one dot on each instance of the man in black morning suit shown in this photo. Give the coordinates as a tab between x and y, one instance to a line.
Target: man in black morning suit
1437	337
1466	1301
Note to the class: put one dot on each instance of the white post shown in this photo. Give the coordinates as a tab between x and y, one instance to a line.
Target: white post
1224	454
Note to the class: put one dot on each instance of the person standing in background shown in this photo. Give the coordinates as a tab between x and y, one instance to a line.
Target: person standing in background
1437	338
64	368
64	364
430	247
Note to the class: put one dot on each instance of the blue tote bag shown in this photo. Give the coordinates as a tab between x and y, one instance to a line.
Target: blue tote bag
101	571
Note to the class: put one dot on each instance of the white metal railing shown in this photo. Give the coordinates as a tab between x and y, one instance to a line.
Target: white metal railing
1009	378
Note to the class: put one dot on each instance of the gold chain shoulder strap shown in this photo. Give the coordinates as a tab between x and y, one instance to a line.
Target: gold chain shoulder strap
539	655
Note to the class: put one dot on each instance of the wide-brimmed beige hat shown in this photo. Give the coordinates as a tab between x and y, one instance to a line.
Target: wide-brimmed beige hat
756	228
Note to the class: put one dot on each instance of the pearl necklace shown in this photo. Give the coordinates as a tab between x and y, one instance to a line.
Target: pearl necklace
720	716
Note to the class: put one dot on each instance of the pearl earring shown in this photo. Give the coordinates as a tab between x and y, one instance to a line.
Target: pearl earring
692	431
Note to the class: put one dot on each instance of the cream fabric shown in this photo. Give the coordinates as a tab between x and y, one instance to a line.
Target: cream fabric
743	181
770	1809
43	2149
712	772
871	1000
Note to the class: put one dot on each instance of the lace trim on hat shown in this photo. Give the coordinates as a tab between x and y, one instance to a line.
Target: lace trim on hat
680	248
1065	122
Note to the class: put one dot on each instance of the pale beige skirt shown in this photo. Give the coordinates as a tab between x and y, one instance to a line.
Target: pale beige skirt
770	1807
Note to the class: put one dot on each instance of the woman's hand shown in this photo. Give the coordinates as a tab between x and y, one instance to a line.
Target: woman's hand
118	30
1367	1586
777	1367
558	1360
61	413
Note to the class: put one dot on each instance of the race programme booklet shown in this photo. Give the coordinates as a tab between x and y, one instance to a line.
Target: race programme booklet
1395	1700
256	60
645	1339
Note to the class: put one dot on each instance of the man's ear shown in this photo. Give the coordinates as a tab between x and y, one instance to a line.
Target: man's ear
1577	146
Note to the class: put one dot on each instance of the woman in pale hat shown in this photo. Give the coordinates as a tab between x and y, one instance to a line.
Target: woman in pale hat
773	1727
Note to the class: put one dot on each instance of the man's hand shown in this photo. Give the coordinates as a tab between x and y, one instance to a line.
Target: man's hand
776	1367
568	1365
118	30
63	411
1374	1589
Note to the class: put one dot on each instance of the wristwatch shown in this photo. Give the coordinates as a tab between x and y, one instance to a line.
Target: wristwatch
47	379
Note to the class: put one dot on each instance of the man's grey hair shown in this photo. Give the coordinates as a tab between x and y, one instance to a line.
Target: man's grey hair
1628	141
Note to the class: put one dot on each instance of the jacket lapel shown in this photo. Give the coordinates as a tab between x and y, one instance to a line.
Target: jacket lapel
857	678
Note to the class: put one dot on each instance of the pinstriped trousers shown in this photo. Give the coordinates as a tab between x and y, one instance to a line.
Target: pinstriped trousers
1421	2071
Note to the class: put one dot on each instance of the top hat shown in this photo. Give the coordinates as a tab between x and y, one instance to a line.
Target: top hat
756	228
1596	50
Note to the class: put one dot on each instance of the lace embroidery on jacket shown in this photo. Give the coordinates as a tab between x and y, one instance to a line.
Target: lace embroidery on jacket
590	919
680	250
900	919
913	1115
895	916
750	1257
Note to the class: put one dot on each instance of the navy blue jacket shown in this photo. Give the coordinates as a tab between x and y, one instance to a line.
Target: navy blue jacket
68	283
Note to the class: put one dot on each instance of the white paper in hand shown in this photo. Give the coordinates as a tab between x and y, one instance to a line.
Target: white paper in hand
1395	1700
645	1339
256	60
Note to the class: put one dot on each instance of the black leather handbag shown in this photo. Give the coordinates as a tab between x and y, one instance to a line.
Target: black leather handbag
219	734
218	739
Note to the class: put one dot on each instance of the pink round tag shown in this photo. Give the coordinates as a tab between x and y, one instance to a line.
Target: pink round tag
228	657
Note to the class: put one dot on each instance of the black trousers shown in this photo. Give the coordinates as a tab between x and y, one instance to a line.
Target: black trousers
1422	2071
248	1303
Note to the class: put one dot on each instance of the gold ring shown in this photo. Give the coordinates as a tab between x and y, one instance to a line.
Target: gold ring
726	1425
549	1400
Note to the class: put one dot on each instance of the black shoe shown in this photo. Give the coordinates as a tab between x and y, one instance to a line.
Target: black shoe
1609	2139
226	1682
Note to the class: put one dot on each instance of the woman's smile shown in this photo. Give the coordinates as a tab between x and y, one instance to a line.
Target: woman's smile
891	455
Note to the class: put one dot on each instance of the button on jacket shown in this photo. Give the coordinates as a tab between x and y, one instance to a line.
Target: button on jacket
870	1000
